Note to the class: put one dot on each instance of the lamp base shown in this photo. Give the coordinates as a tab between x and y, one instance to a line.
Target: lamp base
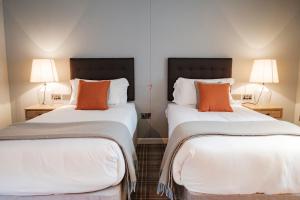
42	94
262	95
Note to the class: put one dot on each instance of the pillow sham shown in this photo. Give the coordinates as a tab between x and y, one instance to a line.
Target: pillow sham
117	91
185	91
213	97
92	95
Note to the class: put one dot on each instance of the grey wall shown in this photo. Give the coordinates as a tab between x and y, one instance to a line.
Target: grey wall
152	31
5	112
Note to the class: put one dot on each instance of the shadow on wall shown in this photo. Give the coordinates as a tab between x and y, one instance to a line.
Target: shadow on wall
257	31
49	38
4	97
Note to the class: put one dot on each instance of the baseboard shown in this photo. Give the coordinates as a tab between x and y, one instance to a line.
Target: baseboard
152	140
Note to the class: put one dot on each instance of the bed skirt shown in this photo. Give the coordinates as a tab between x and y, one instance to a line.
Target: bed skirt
111	193
183	193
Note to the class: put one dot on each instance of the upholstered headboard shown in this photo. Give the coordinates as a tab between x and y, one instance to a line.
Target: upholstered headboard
104	69
197	68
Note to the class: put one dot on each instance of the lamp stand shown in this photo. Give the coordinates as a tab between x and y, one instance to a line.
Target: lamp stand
261	91
260	95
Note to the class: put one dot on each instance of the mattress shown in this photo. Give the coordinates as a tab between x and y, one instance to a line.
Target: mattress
177	114
111	193
225	165
125	114
59	166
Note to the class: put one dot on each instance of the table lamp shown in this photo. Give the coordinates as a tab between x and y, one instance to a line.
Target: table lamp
43	71
264	71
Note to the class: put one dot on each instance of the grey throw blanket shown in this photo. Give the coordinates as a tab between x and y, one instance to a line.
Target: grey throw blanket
114	131
189	130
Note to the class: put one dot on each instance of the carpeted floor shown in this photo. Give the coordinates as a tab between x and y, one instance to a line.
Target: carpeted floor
149	157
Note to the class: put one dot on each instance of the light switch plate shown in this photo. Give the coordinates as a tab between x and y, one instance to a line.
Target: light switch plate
56	97
247	97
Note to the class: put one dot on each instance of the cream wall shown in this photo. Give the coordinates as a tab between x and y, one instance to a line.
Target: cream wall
5	112
297	107
151	31
74	28
243	30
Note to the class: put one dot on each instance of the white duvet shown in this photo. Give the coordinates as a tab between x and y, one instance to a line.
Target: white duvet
235	165
56	166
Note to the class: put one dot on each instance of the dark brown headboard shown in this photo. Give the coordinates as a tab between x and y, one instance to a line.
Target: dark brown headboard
197	68
104	69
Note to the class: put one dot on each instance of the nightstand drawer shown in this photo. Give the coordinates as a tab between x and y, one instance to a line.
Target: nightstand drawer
272	113
37	110
30	114
270	110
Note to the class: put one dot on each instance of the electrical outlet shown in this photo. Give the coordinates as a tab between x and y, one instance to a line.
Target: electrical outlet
145	115
236	96
247	97
65	97
56	97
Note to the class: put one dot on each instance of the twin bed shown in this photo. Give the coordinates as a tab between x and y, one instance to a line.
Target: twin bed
80	167
210	155
226	155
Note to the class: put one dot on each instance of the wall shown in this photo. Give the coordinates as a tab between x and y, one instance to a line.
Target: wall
152	31
74	28
243	30
5	112
297	107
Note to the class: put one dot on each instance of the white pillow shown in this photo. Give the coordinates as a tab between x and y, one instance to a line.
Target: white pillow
117	91
185	91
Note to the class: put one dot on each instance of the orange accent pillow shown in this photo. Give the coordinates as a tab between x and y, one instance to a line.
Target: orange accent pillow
213	97
92	95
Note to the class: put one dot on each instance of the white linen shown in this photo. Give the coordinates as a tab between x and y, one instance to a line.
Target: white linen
185	91
234	164
73	165
110	193
117	91
125	114
178	114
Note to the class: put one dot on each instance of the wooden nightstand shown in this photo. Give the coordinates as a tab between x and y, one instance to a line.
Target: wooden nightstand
271	110
37	110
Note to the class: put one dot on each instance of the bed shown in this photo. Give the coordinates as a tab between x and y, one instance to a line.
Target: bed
225	166
79	167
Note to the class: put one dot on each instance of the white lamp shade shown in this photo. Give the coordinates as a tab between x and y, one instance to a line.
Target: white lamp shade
264	71
43	71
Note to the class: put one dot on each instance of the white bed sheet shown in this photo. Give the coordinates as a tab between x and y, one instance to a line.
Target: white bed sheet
178	114
235	165
125	114
58	166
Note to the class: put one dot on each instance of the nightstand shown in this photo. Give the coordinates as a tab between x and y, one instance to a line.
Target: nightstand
37	110
270	110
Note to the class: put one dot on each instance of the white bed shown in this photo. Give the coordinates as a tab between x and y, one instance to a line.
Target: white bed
226	165
58	166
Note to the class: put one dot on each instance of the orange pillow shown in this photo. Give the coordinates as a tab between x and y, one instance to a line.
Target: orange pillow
213	97
92	95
